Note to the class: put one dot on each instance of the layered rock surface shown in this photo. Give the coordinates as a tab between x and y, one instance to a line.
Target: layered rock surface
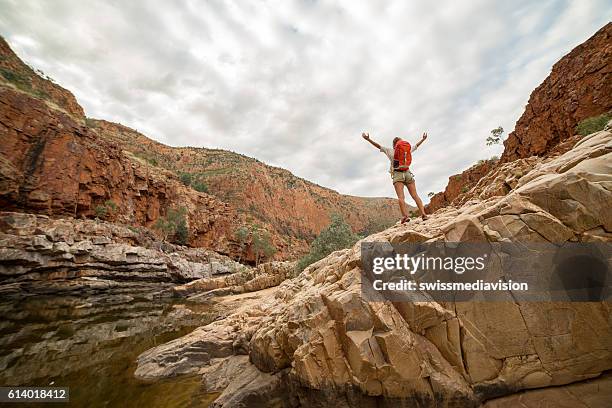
316	342
264	276
590	393
459	184
43	255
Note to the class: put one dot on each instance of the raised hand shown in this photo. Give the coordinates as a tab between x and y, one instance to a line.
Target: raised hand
424	135
366	136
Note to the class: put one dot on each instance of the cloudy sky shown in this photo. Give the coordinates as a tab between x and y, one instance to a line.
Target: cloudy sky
294	83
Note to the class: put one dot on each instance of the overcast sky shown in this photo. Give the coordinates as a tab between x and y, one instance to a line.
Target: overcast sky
294	83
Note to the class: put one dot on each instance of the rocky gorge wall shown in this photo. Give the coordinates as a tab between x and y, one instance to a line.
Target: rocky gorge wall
459	184
51	164
578	87
292	209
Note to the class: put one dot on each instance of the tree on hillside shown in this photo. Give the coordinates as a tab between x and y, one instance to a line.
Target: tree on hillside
258	238
262	245
242	235
496	135
376	223
338	235
173	224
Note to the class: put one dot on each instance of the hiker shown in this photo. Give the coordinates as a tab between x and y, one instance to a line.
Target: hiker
401	157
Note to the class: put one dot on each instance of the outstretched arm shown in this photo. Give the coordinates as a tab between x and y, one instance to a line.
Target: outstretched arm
366	136
421	141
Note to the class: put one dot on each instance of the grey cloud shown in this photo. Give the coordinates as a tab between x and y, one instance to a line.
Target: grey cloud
295	83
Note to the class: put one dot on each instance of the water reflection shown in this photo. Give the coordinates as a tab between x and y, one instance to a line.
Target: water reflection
90	344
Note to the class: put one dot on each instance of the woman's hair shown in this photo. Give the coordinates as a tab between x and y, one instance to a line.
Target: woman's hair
395	140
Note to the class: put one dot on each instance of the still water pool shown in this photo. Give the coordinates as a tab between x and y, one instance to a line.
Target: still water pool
90	344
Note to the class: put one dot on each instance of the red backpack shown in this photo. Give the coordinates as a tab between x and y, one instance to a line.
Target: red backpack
402	156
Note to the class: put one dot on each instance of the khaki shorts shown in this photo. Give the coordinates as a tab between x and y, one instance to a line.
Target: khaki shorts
405	177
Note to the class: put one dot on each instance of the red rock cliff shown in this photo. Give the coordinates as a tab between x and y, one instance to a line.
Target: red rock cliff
52	164
16	74
579	87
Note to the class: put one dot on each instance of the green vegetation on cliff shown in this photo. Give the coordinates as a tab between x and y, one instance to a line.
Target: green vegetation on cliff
593	124
338	235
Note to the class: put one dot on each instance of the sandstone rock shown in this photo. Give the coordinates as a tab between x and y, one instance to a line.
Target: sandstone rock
218	375
187	354
242	280
323	339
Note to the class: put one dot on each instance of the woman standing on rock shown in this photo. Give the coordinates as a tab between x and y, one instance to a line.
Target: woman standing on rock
401	157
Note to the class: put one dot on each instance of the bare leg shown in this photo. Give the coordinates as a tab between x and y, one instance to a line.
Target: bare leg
413	193
399	190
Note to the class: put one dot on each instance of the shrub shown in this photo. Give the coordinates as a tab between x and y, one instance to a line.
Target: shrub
186	178
338	235
182	232
376	224
258	238
200	186
431	194
593	124
110	205
144	156
242	236
104	210
23	81
101	211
